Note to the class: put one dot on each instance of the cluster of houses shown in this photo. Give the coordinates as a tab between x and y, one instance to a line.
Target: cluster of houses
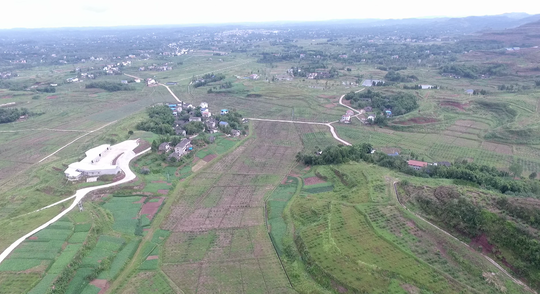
155	67
6	75
369	83
112	69
250	77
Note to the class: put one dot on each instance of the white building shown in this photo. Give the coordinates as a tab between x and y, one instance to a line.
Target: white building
204	105
98	162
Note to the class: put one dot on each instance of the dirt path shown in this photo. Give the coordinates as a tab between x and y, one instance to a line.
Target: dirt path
451	236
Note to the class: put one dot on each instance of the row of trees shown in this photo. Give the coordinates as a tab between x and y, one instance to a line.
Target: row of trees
397	77
207	78
481	175
109	86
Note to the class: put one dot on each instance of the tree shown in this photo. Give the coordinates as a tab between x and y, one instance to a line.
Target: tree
130	132
516	169
532	176
155	146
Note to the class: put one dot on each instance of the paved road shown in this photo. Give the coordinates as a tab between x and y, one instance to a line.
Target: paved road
329	125
451	236
123	162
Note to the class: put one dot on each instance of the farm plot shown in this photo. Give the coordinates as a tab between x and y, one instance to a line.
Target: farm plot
367	265
218	240
315	136
125	211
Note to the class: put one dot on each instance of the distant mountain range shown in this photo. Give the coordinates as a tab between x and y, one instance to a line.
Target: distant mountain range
468	24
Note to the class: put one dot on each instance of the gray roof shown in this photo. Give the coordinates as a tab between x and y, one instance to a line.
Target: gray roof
163	146
183	143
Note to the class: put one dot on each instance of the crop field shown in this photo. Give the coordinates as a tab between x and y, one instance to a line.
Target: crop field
218	240
148	282
125	211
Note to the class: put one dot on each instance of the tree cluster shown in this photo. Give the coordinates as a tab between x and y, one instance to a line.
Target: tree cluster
399	103
8	115
397	77
160	120
207	78
109	86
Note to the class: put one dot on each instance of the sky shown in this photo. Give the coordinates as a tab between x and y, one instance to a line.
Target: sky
64	13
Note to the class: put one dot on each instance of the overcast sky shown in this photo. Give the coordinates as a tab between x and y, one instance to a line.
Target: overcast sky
69	13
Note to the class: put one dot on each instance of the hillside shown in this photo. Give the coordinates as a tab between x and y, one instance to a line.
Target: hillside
526	35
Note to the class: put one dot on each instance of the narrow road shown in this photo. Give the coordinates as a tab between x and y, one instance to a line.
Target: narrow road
467	245
92	131
329	125
123	162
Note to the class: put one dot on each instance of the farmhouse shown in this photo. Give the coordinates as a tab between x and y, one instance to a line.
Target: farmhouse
206	113
417	165
369	83
235	133
194	118
164	147
223	123
345	119
181	147
98	162
224	111
426	87
204	105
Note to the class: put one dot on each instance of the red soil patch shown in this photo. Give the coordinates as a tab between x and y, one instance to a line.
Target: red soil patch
146	230
7	97
332	105
313	181
56	169
307	168
33	238
455	104
52	97
143	145
151	208
119	176
163	191
346	102
327	96
417	121
160	182
141	201
482	241
284	180
103	285
209	157
152	257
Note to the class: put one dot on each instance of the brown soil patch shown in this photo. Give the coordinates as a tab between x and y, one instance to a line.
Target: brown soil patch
56	169
313	181
119	176
209	157
141	201
52	97
307	168
143	145
33	238
410	289
163	191
152	257
332	105
455	104
160	182
151	208
346	102
417	121
7	97
482	241
115	159
103	285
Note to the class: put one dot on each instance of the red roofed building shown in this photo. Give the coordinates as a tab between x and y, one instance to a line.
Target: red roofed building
417	164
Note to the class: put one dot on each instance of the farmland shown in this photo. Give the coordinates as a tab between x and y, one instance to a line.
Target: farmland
199	226
355	238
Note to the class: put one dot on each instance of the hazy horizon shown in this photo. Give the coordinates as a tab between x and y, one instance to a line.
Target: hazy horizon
101	13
